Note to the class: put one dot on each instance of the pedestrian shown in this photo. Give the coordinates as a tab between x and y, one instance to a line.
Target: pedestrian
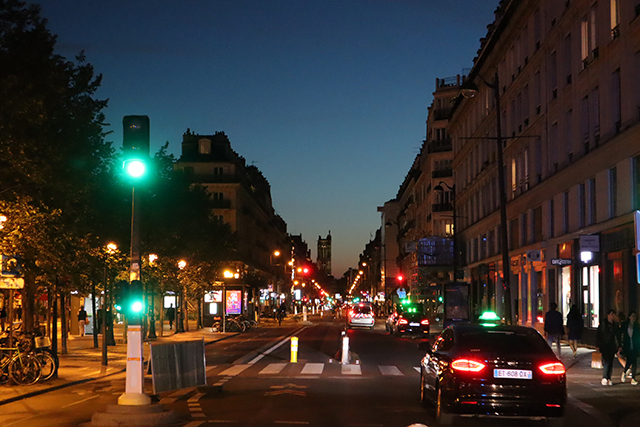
607	343
82	319
621	318
630	332
282	312
575	326
171	315
553	329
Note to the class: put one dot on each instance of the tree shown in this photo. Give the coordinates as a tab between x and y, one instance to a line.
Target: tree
54	161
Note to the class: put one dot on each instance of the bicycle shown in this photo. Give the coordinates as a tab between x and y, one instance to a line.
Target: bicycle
30	342
23	368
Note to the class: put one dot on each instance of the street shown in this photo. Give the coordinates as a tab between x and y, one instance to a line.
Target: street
253	383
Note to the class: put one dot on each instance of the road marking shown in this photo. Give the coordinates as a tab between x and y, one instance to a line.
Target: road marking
389	370
81	401
234	370
260	356
417	368
312	369
194	424
273	368
195	398
351	370
304	423
210	368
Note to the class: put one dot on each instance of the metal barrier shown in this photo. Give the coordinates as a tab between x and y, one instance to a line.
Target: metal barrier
177	365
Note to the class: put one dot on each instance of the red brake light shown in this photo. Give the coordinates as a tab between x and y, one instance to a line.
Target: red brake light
402	321
425	322
555	368
350	312
467	365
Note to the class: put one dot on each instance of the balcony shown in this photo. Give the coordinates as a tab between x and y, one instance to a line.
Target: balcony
441	207
439	146
220	204
442	173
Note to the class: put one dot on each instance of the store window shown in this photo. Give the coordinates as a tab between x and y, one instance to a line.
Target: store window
591	294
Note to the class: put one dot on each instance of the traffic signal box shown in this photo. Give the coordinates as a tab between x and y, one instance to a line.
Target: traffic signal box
135	144
135	303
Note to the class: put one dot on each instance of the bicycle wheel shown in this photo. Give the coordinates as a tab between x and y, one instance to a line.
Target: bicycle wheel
4	368
25	369
47	365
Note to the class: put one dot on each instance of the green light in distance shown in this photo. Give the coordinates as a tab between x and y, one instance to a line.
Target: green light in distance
136	307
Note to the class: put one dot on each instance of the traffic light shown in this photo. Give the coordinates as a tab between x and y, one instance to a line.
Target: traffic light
135	303
135	135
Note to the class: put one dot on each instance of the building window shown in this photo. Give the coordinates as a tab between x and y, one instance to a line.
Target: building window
204	146
218	171
615	19
217	196
582	206
565	212
584	123
552	217
592	201
613	192
553	75
218	219
594	118
514	233
616	101
537	224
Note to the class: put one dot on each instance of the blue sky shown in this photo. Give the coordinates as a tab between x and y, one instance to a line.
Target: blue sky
328	98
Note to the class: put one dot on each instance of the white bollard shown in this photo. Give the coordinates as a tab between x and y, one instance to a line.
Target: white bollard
345	349
304	313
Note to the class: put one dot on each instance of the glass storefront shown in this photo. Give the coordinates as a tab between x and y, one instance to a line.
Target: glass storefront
591	294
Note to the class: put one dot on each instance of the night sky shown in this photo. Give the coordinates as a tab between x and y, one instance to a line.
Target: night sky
328	98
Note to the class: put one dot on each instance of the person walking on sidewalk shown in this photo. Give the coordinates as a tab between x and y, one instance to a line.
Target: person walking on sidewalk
608	344
171	315
553	329
575	326
82	319
630	331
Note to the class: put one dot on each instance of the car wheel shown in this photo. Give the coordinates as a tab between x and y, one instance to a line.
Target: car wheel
443	418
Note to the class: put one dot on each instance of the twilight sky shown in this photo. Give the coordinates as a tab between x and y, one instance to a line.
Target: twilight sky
328	98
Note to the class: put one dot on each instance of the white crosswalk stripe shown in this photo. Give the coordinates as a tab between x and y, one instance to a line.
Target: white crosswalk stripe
234	370
351	370
273	368
312	369
390	370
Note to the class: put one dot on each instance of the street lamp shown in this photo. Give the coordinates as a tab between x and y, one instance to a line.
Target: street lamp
180	323
451	188
469	90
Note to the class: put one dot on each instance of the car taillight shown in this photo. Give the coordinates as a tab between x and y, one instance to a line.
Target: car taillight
402	321
554	368
350	312
425	322
467	365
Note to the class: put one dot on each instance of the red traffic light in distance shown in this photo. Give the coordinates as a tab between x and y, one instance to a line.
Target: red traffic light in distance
400	278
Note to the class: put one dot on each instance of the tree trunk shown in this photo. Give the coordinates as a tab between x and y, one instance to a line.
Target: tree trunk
28	303
63	321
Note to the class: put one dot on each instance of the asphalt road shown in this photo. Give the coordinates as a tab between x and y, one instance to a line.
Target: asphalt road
259	386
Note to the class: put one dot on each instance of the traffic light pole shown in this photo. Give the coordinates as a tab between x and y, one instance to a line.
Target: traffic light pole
134	390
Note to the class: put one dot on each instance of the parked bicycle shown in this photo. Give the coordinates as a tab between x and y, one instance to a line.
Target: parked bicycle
21	367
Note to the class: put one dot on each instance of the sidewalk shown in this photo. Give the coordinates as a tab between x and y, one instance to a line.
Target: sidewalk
617	405
83	362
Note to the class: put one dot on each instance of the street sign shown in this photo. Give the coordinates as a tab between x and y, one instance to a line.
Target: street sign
638	266
636	223
590	243
11	283
533	255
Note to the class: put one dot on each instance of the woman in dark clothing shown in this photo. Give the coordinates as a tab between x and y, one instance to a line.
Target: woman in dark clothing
630	331
575	325
607	343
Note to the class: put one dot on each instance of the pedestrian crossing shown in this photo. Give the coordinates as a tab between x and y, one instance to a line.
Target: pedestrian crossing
310	369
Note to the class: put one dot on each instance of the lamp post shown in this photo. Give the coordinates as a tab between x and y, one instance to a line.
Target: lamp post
469	90
451	188
180	323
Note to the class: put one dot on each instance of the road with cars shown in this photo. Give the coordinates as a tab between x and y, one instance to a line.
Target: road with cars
254	383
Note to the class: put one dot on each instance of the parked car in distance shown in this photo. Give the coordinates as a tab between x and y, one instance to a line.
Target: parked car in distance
408	318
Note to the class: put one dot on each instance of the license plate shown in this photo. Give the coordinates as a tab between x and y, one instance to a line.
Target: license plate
414	324
517	374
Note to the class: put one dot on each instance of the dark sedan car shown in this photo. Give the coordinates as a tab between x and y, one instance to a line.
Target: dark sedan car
408	319
493	371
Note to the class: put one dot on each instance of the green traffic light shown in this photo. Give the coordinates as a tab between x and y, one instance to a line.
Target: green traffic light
135	168
136	307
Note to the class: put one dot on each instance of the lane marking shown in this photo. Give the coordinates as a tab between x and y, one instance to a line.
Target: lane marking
195	398
389	370
276	346
81	401
312	369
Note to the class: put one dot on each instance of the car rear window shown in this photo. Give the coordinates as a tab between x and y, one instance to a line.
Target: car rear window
365	309
496	341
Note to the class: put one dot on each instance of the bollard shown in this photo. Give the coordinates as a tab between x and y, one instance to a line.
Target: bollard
294	349
345	349
304	313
